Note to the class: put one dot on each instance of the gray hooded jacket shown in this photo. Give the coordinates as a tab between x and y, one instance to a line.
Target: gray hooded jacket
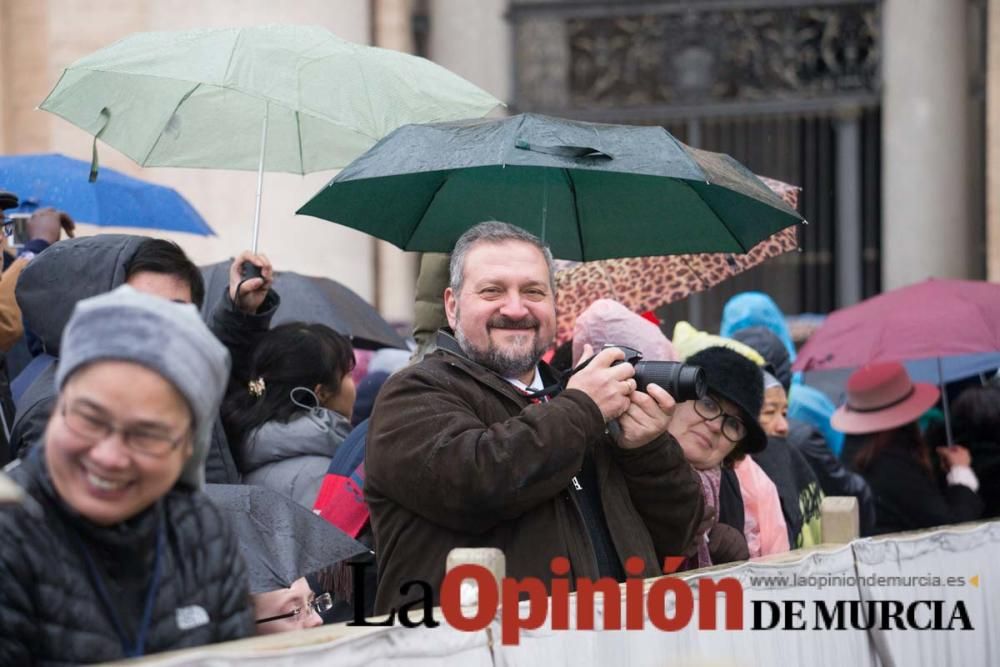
292	458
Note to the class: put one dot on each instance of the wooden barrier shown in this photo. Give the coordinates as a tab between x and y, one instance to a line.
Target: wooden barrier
839	519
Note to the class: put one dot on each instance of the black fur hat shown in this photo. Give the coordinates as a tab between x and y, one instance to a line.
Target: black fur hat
732	376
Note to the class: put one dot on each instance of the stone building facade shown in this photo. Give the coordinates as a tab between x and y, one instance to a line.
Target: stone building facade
884	110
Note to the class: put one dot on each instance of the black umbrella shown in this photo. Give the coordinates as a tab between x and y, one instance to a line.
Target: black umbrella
280	540
312	299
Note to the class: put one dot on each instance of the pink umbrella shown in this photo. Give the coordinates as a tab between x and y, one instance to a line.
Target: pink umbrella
932	319
948	328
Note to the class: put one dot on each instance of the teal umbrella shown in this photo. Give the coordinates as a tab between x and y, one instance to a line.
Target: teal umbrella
271	98
592	191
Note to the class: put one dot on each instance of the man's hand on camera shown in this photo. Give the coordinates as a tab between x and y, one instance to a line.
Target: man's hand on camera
252	292
608	386
647	417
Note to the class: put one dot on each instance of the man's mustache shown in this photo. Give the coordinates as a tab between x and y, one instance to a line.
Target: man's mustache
503	322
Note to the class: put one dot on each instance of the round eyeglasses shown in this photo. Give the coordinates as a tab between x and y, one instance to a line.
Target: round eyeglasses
92	427
709	409
318	604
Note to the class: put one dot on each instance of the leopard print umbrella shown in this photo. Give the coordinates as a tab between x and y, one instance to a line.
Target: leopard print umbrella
644	283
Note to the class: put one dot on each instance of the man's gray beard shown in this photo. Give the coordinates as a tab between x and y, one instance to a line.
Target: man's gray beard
500	362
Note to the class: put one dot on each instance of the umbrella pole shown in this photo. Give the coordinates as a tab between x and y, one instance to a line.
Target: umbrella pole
944	403
260	180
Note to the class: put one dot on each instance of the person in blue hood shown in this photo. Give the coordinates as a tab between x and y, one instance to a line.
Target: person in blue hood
750	309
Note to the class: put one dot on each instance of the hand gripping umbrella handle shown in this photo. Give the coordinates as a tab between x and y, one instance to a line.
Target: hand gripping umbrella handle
250	270
564	151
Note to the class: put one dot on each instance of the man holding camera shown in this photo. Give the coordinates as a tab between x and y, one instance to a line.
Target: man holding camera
478	445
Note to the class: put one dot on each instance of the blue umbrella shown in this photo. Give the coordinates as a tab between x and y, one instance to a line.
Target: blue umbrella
939	371
114	200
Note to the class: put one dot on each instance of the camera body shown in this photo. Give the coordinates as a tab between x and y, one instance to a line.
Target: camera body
19	229
680	380
13	223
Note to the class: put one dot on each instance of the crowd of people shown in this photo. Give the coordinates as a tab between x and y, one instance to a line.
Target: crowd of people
130	402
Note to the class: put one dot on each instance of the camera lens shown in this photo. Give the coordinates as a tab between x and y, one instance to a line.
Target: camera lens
683	382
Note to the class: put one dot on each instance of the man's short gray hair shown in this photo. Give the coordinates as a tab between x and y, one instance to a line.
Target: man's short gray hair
494	231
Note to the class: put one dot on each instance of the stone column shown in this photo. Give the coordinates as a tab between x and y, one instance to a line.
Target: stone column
24	65
395	270
926	230
993	144
5	29
473	40
849	260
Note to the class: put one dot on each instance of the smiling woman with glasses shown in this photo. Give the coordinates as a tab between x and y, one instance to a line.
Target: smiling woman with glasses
715	432
119	554
292	608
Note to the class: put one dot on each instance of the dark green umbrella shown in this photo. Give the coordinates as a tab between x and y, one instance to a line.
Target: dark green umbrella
592	191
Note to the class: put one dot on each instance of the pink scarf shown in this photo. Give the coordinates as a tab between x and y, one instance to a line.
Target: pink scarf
710	481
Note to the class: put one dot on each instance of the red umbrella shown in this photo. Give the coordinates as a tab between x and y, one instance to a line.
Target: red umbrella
932	319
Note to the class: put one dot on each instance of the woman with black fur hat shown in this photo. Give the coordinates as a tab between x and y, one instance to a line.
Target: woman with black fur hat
715	432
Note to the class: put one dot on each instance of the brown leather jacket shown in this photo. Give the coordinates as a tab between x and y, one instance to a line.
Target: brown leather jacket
458	457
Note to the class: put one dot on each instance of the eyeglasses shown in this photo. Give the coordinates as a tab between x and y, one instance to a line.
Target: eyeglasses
93	428
709	409
318	604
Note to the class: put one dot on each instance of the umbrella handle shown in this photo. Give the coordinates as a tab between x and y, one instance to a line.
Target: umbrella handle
260	187
564	151
944	404
249	270
106	116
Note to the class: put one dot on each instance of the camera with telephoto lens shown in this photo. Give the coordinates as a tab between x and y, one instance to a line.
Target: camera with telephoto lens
680	380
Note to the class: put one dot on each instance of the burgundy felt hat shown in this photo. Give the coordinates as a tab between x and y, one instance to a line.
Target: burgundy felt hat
881	397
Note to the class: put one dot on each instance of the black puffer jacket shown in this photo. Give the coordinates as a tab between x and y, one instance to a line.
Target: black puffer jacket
50	612
834	478
797	485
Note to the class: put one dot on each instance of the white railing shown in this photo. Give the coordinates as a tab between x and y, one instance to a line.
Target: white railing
823	583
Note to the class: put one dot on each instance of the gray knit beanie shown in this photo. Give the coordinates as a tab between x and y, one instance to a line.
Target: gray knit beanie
166	337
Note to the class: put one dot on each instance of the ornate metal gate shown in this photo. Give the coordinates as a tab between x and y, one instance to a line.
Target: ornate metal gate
788	87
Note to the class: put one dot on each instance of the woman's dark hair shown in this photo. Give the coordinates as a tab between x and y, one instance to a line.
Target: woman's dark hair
162	256
297	354
906	437
976	415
